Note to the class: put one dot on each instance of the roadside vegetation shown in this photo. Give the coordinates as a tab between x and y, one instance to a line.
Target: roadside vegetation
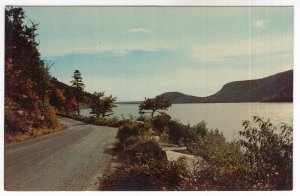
261	158
27	80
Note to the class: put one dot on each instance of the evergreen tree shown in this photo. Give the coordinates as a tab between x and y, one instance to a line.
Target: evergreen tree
78	86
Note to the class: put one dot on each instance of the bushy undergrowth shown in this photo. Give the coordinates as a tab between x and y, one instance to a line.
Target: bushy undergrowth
154	175
269	152
260	159
177	132
129	129
111	122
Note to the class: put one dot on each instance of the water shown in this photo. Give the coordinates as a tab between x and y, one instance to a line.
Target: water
227	117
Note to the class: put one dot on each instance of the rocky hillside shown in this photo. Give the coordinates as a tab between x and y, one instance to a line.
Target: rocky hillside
275	88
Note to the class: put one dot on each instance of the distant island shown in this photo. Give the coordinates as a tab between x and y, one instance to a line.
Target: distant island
274	88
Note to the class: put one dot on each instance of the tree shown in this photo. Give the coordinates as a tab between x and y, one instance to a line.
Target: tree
26	67
57	98
27	78
78	86
70	105
102	106
154	104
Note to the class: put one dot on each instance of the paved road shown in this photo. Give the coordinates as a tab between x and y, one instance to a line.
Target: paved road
68	160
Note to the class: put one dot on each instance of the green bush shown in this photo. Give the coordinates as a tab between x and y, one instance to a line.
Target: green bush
261	159
180	133
199	130
269	152
140	151
211	145
160	122
177	131
129	129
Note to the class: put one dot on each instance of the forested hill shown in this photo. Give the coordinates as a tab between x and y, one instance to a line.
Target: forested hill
275	88
32	96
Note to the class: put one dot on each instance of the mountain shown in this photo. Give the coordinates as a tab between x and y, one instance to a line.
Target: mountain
275	88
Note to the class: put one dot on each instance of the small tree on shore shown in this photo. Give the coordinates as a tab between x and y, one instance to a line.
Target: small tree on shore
154	105
102	106
78	86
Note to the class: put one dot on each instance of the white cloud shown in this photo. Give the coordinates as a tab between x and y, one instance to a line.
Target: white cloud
138	30
260	24
253	46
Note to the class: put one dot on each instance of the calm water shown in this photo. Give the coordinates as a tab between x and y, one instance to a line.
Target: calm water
227	117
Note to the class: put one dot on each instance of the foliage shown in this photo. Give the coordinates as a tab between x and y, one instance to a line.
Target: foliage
269	152
70	105
155	175
101	106
161	122
177	131
78	86
129	129
57	98
146	168
140	150
211	145
260	160
50	117
154	105
27	78
199	130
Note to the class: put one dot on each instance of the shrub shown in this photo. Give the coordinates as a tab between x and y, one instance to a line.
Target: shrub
177	131
154	175
269	152
129	129
51	118
199	130
211	145
160	122
140	151
260	160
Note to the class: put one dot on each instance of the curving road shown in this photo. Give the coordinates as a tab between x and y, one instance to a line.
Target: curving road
69	160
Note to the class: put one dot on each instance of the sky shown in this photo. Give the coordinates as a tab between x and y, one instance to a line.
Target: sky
137	52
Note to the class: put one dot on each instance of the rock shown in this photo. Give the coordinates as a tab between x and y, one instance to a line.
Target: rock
194	162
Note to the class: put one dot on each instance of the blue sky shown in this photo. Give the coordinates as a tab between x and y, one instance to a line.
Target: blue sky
137	52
